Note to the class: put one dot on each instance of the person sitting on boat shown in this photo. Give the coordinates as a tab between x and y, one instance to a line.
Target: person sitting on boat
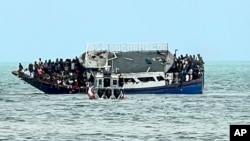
31	69
40	62
59	81
70	81
26	72
76	84
121	80
39	72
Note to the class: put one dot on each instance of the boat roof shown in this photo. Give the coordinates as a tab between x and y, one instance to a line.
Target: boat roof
139	61
128	58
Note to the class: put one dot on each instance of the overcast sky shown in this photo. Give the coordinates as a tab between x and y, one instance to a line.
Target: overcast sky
50	29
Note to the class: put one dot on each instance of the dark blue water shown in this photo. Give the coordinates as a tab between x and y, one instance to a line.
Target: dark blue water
28	114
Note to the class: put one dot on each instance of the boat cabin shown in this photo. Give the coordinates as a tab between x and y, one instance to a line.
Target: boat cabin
102	81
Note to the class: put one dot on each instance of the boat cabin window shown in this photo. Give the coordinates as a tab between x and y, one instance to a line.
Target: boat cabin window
146	79
160	78
106	82
100	82
126	80
115	82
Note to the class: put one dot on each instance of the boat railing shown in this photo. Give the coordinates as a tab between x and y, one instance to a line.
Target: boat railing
124	47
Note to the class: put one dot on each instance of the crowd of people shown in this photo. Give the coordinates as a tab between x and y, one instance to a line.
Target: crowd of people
67	73
187	68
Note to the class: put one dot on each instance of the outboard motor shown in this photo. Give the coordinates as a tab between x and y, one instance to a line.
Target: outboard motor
117	93
108	93
99	92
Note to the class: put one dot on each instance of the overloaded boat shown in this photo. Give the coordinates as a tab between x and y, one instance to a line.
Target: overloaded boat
125	68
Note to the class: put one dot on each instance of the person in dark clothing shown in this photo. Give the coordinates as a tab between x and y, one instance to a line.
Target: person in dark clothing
31	67
91	79
20	67
121	81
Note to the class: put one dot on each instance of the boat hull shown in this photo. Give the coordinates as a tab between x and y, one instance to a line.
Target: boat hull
191	87
52	89
48	88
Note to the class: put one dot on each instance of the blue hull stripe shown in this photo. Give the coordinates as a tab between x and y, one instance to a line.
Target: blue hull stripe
191	87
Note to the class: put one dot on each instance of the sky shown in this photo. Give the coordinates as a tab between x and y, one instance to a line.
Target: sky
219	30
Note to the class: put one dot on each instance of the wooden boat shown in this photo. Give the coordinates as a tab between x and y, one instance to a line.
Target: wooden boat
134	68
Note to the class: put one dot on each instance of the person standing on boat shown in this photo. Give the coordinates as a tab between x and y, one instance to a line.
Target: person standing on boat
121	80
20	67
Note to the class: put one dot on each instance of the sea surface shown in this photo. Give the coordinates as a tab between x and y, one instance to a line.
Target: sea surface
28	114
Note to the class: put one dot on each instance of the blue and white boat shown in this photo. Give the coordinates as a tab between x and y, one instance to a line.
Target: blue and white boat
138	68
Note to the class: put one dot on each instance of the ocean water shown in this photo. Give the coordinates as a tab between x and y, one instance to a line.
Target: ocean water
28	114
